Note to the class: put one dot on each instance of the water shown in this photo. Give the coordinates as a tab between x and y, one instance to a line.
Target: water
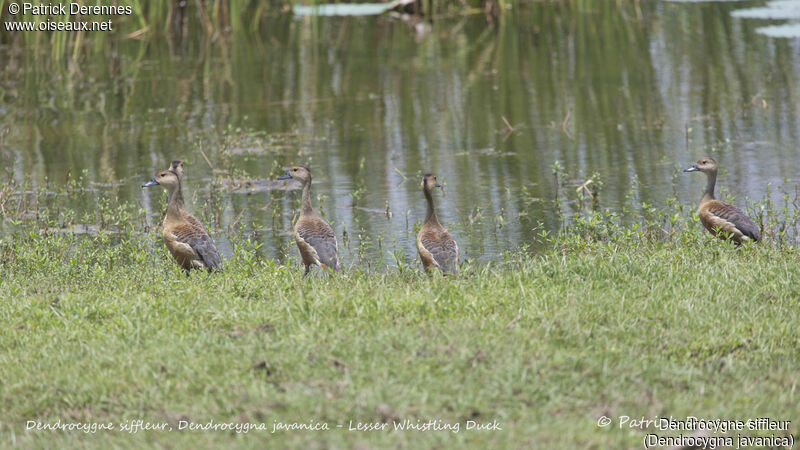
634	93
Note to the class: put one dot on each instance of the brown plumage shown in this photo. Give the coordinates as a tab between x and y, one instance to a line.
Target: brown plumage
314	237
185	238
437	249
177	167
720	218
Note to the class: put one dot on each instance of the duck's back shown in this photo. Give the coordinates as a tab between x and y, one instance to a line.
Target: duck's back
437	248
317	242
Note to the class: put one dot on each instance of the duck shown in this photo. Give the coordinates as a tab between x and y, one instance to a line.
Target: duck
314	237
719	218
185	238
177	167
437	248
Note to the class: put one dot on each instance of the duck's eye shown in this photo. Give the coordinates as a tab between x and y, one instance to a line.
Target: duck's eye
294	170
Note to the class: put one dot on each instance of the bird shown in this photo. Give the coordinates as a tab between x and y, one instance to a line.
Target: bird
314	237
437	248
719	218
185	238
177	167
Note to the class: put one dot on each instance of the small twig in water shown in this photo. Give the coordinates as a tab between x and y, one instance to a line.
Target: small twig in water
564	124
206	158
510	129
508	125
585	187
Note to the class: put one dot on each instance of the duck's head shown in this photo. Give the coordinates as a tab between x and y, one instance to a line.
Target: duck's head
299	173
429	182
166	178
707	165
177	167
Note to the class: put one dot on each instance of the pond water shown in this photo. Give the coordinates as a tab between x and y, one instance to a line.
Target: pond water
633	92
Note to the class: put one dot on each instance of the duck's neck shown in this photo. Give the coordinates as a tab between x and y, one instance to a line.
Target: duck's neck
306	201
708	194
430	216
175	207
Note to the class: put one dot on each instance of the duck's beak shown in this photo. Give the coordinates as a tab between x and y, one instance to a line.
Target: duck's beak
437	185
285	176
152	182
692	169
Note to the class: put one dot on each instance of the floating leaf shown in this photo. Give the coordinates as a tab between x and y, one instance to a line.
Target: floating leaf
342	9
789	30
702	1
775	10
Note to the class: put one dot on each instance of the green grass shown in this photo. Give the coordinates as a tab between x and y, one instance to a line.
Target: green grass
623	324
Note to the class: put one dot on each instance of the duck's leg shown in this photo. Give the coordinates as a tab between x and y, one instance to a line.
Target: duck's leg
308	269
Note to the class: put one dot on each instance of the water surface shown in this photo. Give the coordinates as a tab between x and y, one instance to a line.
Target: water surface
371	103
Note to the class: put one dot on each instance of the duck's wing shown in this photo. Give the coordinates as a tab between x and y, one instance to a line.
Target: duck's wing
196	223
318	235
731	219
442	247
200	242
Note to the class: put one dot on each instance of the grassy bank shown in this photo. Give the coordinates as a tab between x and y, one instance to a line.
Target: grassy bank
543	343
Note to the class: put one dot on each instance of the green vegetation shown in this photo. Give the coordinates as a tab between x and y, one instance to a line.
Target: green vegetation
637	313
644	315
208	17
221	20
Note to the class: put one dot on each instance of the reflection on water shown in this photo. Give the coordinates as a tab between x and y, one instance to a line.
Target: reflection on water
631	92
778	10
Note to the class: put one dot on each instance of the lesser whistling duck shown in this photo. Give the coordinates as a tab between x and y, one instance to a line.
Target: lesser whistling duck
177	167
435	245
185	238
314	237
716	216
